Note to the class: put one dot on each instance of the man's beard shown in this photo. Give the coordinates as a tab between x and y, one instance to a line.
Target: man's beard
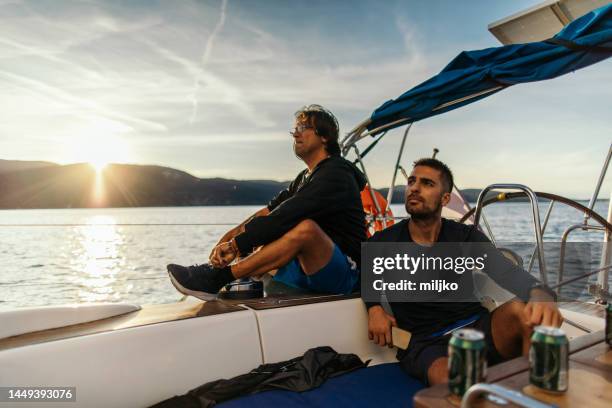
425	214
299	155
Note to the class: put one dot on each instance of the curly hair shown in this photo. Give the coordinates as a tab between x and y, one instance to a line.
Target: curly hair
324	123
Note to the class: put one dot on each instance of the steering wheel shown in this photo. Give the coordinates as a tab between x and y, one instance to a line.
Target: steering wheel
509	196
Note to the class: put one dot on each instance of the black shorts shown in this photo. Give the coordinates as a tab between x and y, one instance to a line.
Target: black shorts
423	351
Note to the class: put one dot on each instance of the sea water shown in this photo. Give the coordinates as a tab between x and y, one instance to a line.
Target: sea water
50	257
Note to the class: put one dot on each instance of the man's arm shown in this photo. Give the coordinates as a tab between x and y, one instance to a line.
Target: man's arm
326	192
224	251
503	271
379	325
542	309
541	303
379	321
240	228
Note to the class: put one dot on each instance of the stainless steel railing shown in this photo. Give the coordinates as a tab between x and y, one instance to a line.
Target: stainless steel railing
533	199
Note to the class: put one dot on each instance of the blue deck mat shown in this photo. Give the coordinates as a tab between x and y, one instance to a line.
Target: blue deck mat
384	385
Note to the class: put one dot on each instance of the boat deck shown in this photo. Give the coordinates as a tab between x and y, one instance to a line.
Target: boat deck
153	314
590	309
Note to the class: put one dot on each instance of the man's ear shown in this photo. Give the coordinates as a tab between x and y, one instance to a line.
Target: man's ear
445	199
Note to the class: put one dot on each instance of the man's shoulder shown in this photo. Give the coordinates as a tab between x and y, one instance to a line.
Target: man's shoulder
452	225
335	162
457	232
339	169
389	234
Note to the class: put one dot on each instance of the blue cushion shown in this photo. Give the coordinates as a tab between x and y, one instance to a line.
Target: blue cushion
381	385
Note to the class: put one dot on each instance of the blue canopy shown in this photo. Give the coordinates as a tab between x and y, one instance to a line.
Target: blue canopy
474	75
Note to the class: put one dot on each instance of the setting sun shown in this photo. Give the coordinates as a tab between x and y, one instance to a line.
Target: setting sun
100	143
98	165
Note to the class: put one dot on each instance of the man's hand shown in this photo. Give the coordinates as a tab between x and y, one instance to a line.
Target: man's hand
214	258
222	255
542	310
379	326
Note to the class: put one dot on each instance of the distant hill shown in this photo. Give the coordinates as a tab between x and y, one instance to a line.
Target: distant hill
74	186
38	184
7	166
470	195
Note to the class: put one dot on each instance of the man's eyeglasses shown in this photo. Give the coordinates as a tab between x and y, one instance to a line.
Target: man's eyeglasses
299	129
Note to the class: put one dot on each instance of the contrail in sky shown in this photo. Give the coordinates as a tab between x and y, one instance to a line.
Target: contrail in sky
205	58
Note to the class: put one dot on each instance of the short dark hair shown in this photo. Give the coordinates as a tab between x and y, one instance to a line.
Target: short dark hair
447	174
325	124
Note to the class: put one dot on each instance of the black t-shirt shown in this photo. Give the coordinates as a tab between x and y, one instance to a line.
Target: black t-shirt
431	317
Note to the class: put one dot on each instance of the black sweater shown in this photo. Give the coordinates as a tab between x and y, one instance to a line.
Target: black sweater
330	196
429	317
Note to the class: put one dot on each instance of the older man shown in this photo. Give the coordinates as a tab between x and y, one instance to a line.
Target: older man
311	232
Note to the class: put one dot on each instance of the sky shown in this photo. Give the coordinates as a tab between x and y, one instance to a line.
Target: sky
210	87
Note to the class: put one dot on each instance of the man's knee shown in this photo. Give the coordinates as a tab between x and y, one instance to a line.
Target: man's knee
513	312
305	230
437	373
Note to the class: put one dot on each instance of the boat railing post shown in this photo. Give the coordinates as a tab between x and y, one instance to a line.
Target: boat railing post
536	219
488	227
606	255
546	217
600	180
522	400
564	238
395	169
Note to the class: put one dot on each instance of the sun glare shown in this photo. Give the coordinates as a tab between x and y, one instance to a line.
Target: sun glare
98	165
100	143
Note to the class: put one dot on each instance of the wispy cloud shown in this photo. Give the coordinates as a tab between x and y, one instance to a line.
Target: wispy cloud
200	85
79	106
206	56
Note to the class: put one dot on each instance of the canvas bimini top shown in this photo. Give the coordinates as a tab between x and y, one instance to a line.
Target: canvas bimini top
474	75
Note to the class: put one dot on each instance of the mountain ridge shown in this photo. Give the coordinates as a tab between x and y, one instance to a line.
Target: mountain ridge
41	184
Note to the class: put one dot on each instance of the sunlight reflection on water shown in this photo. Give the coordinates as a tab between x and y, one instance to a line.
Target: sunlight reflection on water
98	257
101	260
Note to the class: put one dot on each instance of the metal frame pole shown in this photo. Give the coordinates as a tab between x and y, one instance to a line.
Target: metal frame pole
397	163
606	254
602	175
536	219
563	245
471	396
546	217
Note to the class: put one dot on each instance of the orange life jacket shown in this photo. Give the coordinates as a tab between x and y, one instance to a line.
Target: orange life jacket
374	219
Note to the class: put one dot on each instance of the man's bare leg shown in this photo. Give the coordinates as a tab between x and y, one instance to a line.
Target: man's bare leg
306	241
511	334
437	373
511	337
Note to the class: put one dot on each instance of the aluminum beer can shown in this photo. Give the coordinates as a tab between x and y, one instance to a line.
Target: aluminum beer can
549	359
467	364
609	323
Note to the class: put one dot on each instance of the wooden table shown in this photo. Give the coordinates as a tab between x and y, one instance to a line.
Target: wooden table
590	379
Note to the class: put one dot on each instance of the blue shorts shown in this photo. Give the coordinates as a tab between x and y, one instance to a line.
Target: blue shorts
423	350
339	276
